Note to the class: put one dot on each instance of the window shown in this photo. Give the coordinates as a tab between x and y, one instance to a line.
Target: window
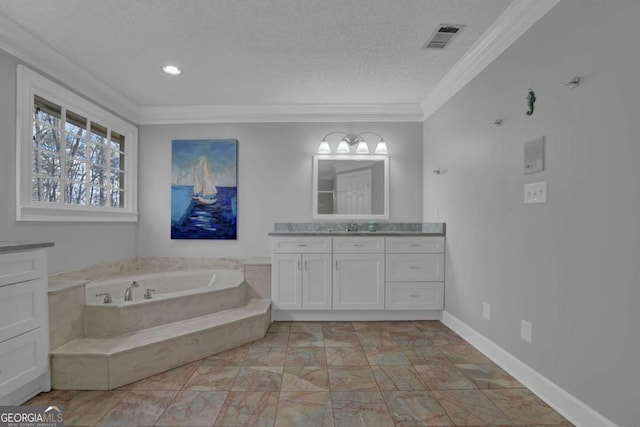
76	161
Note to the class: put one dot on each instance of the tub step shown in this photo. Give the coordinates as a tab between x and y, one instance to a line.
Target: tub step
105	363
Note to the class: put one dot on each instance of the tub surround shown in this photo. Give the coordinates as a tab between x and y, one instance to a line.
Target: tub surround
105	363
24	323
138	345
338	228
117	319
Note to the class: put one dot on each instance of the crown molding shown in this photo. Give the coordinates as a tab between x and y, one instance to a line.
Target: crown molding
34	53
280	113
516	19
512	23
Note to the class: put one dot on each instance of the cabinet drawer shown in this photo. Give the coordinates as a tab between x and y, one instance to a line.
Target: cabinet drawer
21	266
296	245
415	268
22	308
361	245
408	245
414	296
23	359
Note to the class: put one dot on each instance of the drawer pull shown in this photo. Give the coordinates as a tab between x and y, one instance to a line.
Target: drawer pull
358	245
414	267
415	295
298	265
415	245
302	245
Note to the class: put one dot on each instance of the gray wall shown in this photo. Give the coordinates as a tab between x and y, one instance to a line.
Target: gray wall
274	180
569	266
76	245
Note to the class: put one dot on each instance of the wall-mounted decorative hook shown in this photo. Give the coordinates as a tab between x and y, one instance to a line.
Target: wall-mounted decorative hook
531	99
498	122
574	83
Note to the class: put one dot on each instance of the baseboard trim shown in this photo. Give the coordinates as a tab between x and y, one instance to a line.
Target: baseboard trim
353	315
559	399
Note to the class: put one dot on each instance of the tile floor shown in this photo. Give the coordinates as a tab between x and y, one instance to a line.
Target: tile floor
311	374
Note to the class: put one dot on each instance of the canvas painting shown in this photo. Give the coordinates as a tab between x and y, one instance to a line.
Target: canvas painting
204	190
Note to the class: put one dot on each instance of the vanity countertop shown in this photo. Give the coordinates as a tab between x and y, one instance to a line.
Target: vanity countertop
338	229
23	246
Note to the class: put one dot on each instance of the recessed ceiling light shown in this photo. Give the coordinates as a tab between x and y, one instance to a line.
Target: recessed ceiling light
172	70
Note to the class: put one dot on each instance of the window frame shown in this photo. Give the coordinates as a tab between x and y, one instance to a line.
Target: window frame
30	84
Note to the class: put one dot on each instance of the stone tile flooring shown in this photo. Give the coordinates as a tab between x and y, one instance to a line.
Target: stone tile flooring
311	374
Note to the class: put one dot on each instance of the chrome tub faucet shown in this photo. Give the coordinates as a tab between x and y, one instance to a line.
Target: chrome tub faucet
128	294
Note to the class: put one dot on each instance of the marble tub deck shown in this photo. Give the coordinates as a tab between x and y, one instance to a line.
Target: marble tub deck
348	374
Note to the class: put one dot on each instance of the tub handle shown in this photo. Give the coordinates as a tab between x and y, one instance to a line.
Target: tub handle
147	293
107	298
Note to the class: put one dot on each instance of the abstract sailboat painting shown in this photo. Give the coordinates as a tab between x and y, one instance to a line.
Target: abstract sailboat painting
204	189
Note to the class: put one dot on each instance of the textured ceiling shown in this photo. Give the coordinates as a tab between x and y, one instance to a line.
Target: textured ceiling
257	52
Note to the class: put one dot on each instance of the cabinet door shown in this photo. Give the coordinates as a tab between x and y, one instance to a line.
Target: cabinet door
23	359
22	307
286	281
358	282
316	282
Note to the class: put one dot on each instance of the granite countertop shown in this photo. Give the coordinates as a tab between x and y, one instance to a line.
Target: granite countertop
23	246
337	229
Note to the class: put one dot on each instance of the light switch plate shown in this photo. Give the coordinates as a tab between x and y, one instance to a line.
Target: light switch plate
486	310
526	331
535	192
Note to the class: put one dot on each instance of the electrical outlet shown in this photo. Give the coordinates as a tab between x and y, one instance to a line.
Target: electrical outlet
526	331
486	310
535	192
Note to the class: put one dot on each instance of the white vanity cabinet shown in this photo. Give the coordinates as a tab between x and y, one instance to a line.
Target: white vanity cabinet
358	273
364	276
24	325
301	273
414	273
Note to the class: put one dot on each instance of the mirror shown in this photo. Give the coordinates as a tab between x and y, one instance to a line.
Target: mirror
350	187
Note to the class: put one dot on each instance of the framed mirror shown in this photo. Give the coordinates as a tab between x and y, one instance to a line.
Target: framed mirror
351	187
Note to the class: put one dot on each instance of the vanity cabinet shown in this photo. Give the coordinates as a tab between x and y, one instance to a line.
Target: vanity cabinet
358	273
415	273
301	273
24	326
359	277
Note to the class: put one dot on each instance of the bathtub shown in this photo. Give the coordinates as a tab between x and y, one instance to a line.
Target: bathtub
170	284
178	295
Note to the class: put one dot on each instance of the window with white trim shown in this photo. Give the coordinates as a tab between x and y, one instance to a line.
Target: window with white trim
76	161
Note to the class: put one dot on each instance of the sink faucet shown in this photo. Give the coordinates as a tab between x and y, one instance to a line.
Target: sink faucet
351	227
128	294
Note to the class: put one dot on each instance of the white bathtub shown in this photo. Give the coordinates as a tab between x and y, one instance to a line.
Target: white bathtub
171	284
178	295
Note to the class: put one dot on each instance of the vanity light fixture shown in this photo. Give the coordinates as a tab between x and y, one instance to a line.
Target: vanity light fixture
172	70
349	140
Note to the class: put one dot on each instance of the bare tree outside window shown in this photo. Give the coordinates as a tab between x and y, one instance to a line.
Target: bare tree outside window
91	156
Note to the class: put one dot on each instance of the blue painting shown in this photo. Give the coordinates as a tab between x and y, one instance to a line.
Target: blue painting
204	189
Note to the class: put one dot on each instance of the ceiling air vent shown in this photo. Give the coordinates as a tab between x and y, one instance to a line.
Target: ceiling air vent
443	36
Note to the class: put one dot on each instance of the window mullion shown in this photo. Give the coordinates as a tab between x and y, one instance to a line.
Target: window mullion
87	165
62	151
108	167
